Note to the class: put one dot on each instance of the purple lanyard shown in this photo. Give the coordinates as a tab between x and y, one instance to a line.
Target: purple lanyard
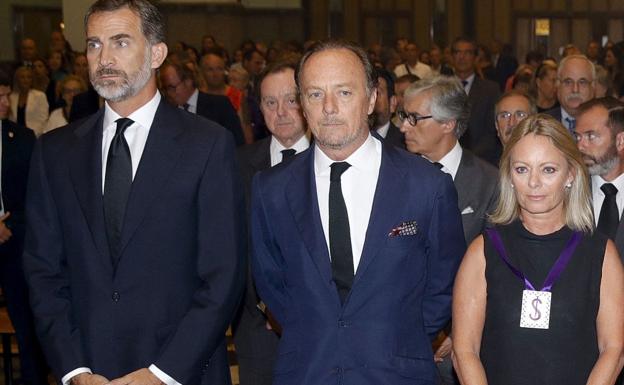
554	272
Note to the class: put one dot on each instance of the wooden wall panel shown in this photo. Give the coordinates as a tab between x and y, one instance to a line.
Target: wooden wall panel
540	5
580	5
616	30
617	5
522	5
422	12
502	21
599	5
558	5
581	33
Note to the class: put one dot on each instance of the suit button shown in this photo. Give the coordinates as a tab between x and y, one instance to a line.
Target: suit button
115	296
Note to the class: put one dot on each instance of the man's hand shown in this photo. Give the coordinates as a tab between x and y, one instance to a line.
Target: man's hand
5	232
444	350
139	377
88	379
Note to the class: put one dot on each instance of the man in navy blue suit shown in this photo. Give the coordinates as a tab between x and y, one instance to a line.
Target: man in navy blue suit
135	223
356	242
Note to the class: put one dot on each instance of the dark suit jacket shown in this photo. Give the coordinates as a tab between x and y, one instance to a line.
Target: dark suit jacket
253	341
401	294
17	145
180	273
481	136
556	113
476	182
395	136
84	104
219	109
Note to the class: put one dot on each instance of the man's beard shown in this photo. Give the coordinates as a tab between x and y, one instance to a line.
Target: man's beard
128	86
605	163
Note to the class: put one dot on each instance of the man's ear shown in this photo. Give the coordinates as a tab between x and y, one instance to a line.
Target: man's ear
159	54
393	104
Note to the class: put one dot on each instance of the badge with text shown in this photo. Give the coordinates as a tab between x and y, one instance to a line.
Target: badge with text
535	313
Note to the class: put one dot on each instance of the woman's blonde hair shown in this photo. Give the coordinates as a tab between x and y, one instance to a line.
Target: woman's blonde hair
577	202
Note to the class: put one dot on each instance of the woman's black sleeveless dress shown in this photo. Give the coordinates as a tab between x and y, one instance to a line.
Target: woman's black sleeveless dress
565	353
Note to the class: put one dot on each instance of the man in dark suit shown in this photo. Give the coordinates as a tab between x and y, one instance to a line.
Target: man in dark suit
15	150
576	77
439	109
385	107
256	342
84	104
512	107
480	137
600	138
135	238
180	87
359	283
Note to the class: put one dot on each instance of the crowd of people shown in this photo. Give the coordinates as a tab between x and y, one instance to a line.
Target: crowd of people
389	215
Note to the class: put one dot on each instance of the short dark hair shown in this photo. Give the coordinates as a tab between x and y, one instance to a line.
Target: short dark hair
407	78
614	107
152	22
389	78
183	71
333	44
5	80
465	39
515	92
248	54
273	68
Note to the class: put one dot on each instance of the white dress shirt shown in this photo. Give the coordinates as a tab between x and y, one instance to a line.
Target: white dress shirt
192	102
358	189
275	148
450	161
136	136
383	130
598	196
470	81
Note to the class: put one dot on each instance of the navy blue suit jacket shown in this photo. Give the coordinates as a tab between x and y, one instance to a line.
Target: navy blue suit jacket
401	294
180	273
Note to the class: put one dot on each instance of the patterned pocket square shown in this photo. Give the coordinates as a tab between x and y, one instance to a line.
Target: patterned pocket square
405	228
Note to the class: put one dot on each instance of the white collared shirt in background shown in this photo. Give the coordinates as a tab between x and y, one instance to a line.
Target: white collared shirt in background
598	196
275	148
358	189
450	161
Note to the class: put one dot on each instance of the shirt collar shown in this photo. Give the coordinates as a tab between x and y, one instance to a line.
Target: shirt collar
450	161
565	115
144	116
597	182
192	101
360	159
383	130
301	145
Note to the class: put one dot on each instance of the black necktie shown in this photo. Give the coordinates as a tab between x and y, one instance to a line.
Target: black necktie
438	165
117	184
288	154
464	83
609	219
339	235
186	106
572	125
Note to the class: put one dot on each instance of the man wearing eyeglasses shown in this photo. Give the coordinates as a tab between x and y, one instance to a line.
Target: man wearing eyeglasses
256	345
180	88
510	110
575	86
435	115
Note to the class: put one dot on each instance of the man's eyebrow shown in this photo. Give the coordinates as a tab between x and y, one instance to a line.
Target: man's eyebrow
93	40
120	36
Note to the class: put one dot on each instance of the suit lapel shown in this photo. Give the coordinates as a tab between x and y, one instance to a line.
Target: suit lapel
301	197
86	175
158	160
387	211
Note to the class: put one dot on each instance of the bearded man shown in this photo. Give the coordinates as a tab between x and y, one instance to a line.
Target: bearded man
135	236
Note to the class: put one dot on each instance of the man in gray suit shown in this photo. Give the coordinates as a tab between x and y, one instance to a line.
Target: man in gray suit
600	137
435	115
